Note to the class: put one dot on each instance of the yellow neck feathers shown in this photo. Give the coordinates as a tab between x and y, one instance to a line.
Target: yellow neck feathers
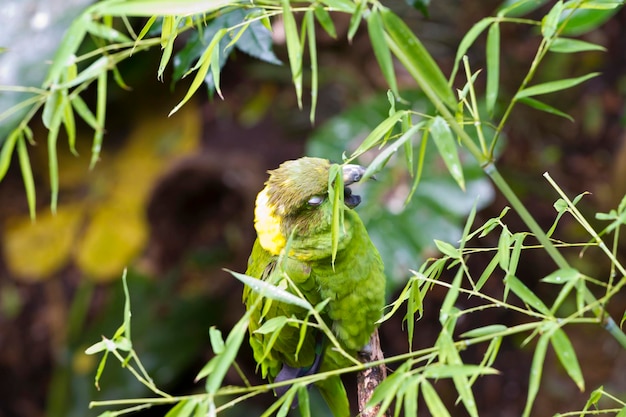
267	225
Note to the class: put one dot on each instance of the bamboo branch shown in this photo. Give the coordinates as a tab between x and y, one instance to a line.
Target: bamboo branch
369	378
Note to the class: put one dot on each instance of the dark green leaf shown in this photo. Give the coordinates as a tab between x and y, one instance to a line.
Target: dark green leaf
27	176
420	5
468	40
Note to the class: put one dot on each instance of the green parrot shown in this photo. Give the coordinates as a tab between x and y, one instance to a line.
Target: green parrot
293	213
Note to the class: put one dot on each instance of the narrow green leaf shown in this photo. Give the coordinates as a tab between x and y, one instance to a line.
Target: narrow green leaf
144	31
68	49
27	176
484	331
518	241
105	32
446	145
53	162
355	19
550	22
101	103
149	8
567	356
6	151
215	70
420	165
410	397
504	249
381	159
127	310
335	193
390	385
217	342
526	295
376	33
568	46
433	402
70	124
272	325
94	70
451	297
311	35
493	66
202	69
231	348
83	111
553	86
535	372
467	41
304	403
439	371
294	49
447	249
168	36
346	6
323	17
270	291
184	408
561	276
417	61
378	133
622	412
546	108
486	274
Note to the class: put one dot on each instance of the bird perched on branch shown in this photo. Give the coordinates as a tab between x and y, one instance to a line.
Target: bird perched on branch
295	252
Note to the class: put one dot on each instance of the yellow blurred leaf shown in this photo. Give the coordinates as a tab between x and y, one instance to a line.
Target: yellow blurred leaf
33	251
113	238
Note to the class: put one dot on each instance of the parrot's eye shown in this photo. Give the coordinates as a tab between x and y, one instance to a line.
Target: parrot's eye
316	200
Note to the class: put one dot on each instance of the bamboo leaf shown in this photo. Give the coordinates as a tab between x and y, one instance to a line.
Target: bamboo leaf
493	66
553	86
378	133
526	295
446	145
451	297
535	372
416	59
484	331
100	119
270	291
467	41
433	402
568	46
27	176
381	159
294	49
310	26
376	33
567	356
6	150
546	108
202	66
550	22
323	17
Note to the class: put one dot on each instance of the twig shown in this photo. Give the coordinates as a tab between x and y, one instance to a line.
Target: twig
368	379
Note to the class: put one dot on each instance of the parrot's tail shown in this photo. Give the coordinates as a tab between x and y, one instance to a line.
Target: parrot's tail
334	393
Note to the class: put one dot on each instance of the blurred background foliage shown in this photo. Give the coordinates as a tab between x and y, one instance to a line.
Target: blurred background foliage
172	198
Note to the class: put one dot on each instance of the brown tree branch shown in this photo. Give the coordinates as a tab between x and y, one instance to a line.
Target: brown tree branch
370	378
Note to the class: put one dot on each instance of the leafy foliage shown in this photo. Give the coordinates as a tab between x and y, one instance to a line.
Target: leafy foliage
448	118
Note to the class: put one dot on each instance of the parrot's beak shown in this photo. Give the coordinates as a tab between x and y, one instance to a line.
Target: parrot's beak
351	174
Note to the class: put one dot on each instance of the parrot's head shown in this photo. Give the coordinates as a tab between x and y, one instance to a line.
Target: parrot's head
296	195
